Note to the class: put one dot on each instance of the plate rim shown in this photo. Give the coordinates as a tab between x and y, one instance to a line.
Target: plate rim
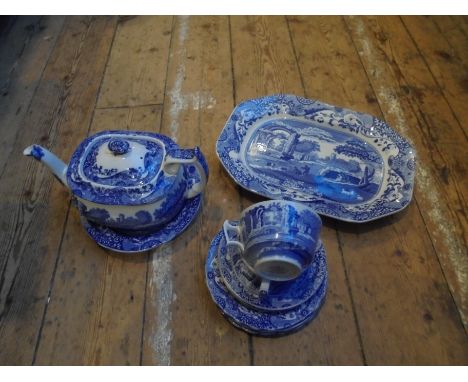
323	289
411	153
197	201
319	252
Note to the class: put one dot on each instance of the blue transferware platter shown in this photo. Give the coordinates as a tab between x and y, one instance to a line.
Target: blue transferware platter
344	164
120	242
245	285
255	321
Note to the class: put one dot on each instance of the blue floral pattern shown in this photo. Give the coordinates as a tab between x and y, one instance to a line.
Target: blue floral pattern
275	146
118	146
277	228
144	220
244	285
255	321
130	177
135	186
121	242
37	152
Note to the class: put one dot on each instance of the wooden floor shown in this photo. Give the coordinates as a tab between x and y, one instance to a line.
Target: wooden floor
398	287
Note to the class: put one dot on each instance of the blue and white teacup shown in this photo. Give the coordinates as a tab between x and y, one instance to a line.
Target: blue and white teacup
277	238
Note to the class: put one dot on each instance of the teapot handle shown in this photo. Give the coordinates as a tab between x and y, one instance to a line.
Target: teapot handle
193	157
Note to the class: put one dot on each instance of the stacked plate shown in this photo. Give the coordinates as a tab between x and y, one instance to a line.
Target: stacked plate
267	272
285	308
339	163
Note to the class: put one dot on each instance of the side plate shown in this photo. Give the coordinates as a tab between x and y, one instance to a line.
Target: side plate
344	164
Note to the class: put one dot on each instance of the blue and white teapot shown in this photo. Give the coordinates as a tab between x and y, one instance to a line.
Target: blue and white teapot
127	180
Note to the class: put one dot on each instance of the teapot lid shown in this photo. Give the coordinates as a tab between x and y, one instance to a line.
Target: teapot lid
121	168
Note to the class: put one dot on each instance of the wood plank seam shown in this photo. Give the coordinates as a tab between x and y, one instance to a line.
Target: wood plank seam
169	51
441	90
414	197
234	97
51	284
143	315
421	113
36	347
445	38
351	297
350	293
148	254
2	170
296	58
127	106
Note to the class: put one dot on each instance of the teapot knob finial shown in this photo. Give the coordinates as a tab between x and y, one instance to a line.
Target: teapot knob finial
118	146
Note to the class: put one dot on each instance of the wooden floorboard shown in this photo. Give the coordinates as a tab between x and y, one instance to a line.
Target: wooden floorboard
136	70
61	108
105	332
273	69
427	120
25	50
398	287
83	324
420	277
184	326
445	60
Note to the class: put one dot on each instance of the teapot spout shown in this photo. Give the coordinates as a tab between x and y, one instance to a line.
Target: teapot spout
58	168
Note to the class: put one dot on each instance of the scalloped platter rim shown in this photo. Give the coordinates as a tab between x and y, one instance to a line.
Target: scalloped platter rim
346	165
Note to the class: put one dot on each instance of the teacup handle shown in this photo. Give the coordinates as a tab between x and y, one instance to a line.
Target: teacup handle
189	156
264	286
228	227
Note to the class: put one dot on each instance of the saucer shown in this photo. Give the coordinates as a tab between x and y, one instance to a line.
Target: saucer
254	321
244	285
279	333
119	242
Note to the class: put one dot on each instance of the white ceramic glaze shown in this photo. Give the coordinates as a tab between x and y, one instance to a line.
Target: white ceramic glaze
130	181
344	164
277	239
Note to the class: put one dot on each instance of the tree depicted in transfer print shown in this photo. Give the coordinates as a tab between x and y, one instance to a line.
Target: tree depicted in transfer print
357	149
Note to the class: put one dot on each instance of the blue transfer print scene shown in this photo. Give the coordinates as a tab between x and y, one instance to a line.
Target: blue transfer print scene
344	168
267	271
345	164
